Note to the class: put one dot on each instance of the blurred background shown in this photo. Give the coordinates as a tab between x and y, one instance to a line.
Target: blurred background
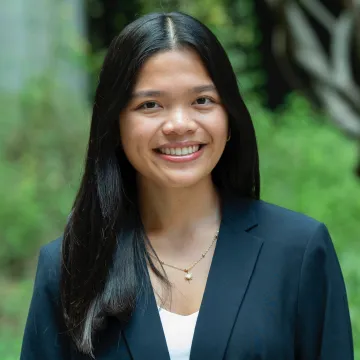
298	66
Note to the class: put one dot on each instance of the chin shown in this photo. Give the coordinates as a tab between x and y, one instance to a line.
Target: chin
183	180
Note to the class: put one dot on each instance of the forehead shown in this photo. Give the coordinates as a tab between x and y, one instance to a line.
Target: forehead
182	67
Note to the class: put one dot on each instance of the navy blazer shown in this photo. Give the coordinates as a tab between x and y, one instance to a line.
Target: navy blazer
274	291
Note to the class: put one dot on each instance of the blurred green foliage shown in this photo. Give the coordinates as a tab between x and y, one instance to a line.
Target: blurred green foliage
40	157
306	165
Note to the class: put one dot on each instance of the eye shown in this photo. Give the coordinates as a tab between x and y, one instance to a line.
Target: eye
149	105
204	101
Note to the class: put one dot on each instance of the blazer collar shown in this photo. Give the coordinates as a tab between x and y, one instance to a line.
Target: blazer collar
233	263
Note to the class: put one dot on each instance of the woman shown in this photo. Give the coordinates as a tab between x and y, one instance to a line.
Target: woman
168	252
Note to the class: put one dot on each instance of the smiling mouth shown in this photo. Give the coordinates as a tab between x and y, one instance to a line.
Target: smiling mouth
179	151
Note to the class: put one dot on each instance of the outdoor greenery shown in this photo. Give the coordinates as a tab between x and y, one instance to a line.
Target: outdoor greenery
306	165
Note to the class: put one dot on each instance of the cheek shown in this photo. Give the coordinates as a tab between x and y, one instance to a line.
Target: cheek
218	128
134	138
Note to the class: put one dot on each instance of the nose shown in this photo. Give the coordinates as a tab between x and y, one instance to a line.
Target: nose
179	123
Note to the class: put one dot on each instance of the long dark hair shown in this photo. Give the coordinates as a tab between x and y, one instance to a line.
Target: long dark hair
104	248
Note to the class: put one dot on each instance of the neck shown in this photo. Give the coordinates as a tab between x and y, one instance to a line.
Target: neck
178	211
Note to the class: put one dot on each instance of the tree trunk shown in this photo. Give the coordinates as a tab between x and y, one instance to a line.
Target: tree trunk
42	38
320	43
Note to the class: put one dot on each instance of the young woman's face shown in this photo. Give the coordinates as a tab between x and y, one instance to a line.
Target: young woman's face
174	129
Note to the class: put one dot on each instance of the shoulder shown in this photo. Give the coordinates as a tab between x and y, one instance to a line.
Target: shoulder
268	213
276	224
294	227
294	239
49	266
52	250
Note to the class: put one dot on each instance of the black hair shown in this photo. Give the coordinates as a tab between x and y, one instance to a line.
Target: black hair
104	248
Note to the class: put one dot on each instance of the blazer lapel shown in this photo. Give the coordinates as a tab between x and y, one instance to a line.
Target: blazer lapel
233	263
234	259
144	333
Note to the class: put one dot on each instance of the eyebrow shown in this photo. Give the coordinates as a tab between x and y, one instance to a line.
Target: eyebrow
157	93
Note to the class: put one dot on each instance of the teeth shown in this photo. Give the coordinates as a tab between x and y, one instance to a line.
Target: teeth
180	151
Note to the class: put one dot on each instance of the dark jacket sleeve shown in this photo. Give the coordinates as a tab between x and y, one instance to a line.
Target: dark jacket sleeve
44	336
323	323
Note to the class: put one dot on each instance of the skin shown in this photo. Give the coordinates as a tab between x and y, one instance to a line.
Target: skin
179	205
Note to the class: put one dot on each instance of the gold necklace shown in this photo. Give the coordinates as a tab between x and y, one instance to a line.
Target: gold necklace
189	276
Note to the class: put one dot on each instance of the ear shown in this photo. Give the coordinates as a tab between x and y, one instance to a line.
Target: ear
229	136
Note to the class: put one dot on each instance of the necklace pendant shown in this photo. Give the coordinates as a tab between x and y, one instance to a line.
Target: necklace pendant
188	276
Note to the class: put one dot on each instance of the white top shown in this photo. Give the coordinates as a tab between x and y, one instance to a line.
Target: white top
179	332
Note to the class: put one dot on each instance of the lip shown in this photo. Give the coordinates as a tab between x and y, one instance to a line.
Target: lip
183	158
180	144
